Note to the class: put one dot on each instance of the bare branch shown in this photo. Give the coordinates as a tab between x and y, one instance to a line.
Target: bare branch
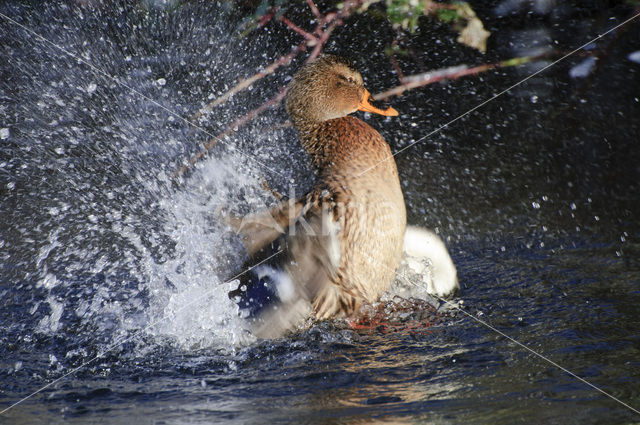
321	42
315	10
264	19
394	62
419	80
330	21
232	128
308	36
453	73
243	84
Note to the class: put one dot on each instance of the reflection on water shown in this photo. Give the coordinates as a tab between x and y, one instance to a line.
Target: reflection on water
536	195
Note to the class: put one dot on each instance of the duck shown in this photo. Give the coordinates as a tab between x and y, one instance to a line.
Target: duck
339	246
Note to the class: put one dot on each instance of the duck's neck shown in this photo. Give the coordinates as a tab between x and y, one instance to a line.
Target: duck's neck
310	135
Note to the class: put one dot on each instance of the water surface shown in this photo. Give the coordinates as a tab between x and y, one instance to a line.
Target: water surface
536	195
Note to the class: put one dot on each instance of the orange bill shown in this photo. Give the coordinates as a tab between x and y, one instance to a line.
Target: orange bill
364	105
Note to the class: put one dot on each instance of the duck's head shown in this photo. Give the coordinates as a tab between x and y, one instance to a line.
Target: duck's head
327	88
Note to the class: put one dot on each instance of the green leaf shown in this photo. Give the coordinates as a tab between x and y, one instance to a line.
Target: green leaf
447	15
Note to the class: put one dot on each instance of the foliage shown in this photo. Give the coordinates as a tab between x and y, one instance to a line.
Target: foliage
404	14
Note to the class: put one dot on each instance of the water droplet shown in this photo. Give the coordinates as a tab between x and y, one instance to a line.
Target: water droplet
535	205
50	281
534	99
634	56
91	88
161	81
583	69
4	133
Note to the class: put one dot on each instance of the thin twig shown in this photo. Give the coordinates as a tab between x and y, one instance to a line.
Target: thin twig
310	40
394	62
308	36
315	10
283	60
264	19
232	128
321	42
453	73
326	24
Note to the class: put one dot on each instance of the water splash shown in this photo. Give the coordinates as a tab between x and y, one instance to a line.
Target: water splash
98	239
188	289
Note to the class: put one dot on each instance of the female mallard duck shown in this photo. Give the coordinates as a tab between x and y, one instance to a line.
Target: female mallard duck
341	243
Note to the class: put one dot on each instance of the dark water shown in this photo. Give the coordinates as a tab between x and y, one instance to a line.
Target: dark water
102	253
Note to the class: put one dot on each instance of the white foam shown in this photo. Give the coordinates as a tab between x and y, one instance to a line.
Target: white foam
188	299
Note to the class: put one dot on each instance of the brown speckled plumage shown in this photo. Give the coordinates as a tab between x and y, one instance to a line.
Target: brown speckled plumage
362	208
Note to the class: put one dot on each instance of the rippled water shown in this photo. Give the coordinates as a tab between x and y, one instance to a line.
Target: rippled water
537	194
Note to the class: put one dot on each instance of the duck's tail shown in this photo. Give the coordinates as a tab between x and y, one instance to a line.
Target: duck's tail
424	246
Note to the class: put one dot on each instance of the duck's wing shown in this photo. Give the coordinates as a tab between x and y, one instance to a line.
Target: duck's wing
311	266
262	228
314	247
278	294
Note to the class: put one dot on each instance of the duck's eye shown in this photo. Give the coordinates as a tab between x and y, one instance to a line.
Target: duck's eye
349	80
